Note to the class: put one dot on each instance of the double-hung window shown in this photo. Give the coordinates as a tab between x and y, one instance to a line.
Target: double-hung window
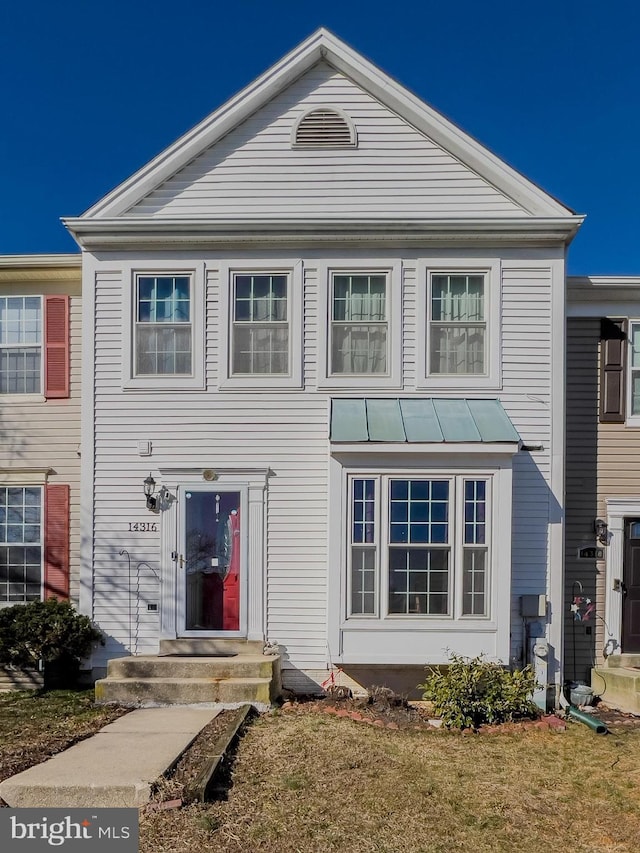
634	369
260	325
359	324
20	544
418	546
20	344
458	324
163	325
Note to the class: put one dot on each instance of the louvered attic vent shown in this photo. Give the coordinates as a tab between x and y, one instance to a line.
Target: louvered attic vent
324	127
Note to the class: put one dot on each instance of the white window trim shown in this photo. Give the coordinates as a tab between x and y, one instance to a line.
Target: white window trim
178	382
252	483
30	478
468	266
455	546
357	381
631	420
295	282
406	639
29	396
617	510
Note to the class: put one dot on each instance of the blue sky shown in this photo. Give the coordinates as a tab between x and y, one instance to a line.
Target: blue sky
93	89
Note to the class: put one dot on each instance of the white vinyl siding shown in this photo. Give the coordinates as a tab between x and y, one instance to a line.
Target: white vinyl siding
286	432
254	172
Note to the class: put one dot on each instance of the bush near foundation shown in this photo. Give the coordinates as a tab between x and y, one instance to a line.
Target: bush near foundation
471	692
50	631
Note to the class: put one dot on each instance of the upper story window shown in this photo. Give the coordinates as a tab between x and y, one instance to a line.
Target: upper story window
324	127
634	369
163	325
458	327
458	324
20	344
359	324
260	326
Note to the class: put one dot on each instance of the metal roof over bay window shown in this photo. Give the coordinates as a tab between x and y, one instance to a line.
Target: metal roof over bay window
420	420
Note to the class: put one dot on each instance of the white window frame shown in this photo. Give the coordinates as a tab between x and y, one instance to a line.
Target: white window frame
28	395
26	482
491	271
165	382
393	301
295	282
632	420
456	545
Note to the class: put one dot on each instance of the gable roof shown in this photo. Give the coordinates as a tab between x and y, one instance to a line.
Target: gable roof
323	45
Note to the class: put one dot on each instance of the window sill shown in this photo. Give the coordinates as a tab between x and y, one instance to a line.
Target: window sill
261	382
458	383
411	622
23	398
165	383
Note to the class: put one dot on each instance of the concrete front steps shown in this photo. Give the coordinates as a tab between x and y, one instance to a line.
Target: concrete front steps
215	673
617	682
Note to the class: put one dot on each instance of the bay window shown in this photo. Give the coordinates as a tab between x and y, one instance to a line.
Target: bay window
418	546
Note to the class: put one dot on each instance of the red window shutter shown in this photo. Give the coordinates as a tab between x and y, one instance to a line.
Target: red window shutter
56	346
56	542
613	351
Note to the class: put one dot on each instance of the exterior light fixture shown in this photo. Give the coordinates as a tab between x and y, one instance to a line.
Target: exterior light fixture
601	529
154	499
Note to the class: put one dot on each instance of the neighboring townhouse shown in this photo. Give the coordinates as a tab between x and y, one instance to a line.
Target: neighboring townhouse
324	391
603	487
40	326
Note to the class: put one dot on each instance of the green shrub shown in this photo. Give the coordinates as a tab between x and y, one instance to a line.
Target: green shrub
46	631
473	691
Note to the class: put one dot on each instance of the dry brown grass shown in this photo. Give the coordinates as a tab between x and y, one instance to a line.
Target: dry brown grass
309	782
34	726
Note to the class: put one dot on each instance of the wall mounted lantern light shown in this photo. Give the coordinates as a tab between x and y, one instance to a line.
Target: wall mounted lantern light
154	499
601	529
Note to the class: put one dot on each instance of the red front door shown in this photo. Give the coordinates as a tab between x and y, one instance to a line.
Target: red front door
212	560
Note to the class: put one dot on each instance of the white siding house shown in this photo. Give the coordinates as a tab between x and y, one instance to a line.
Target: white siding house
329	326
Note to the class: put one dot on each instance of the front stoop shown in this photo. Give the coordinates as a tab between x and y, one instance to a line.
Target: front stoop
617	682
188	680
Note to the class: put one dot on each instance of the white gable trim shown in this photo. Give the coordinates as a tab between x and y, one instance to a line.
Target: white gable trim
324	45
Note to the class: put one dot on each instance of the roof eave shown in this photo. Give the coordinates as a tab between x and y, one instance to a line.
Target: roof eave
131	232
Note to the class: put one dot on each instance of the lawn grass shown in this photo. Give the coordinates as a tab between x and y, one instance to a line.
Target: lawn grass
309	782
35	725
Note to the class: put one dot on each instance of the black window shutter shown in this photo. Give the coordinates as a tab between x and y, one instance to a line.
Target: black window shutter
613	350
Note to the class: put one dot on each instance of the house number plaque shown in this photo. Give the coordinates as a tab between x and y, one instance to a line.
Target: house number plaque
143	527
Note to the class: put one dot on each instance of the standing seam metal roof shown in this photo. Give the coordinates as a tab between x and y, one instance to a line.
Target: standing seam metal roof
420	419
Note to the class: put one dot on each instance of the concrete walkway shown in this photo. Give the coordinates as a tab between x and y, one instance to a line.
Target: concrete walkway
114	767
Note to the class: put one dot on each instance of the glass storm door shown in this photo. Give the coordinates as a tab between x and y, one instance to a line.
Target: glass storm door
210	565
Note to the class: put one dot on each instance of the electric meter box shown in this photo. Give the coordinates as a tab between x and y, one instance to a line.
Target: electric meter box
533	606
